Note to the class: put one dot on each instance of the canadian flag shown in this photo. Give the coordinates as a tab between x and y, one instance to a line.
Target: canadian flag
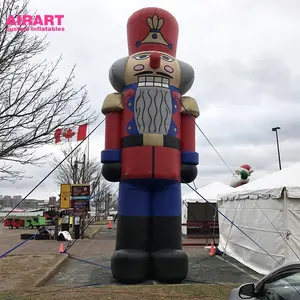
70	134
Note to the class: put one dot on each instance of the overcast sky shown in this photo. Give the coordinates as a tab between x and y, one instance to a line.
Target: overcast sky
245	55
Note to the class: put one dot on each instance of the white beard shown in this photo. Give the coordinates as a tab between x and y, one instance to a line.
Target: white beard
153	110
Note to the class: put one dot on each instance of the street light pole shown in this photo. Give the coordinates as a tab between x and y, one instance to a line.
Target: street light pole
278	151
82	174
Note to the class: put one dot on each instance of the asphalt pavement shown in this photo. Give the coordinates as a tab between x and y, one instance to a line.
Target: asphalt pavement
91	265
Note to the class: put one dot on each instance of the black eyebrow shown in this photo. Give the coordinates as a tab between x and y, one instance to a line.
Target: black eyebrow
143	73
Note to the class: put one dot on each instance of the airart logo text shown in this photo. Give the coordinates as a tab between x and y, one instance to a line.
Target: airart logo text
35	23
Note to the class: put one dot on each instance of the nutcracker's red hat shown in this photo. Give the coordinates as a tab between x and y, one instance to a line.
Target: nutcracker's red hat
152	29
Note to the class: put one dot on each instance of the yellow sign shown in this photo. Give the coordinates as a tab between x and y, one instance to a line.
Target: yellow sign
65	196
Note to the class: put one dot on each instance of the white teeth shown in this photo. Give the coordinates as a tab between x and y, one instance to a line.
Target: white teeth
153	81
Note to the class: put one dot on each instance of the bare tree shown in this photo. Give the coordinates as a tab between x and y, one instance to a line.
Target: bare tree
33	102
78	168
103	197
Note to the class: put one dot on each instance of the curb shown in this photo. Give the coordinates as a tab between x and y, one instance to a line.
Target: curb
90	236
61	261
239	268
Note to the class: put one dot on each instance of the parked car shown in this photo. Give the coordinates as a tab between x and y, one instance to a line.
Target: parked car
14	222
35	222
281	284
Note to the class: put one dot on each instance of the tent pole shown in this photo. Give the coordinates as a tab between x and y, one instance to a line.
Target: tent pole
183	217
285	221
230	230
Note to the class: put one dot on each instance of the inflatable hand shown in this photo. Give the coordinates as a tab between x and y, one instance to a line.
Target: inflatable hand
189	162
111	169
188	173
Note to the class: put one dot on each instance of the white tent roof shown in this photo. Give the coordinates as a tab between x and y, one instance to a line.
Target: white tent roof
269	186
209	192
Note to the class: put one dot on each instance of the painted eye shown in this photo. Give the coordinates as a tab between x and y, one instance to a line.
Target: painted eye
142	56
167	58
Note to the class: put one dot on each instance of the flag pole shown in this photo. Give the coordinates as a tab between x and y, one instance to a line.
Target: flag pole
88	154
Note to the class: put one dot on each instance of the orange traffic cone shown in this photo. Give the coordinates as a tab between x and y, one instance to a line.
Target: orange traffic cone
212	249
61	248
109	224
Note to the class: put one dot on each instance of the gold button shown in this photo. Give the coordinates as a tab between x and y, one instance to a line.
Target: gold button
129	104
129	127
175	129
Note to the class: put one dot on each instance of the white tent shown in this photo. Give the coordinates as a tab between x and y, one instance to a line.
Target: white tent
268	211
209	192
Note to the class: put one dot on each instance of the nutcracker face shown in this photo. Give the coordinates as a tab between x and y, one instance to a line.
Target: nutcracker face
154	76
152	69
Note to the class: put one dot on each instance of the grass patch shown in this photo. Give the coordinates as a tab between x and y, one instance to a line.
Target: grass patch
24	271
156	292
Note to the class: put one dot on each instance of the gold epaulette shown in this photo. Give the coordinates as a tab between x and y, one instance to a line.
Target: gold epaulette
189	106
112	103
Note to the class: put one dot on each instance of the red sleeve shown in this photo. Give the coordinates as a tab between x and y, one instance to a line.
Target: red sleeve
188	138
113	131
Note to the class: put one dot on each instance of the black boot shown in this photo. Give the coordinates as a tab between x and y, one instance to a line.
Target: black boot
169	264
130	261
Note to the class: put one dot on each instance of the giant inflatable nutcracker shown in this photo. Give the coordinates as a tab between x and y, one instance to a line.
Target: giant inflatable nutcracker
150	149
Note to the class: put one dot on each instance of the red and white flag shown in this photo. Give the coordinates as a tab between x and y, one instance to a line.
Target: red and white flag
77	134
